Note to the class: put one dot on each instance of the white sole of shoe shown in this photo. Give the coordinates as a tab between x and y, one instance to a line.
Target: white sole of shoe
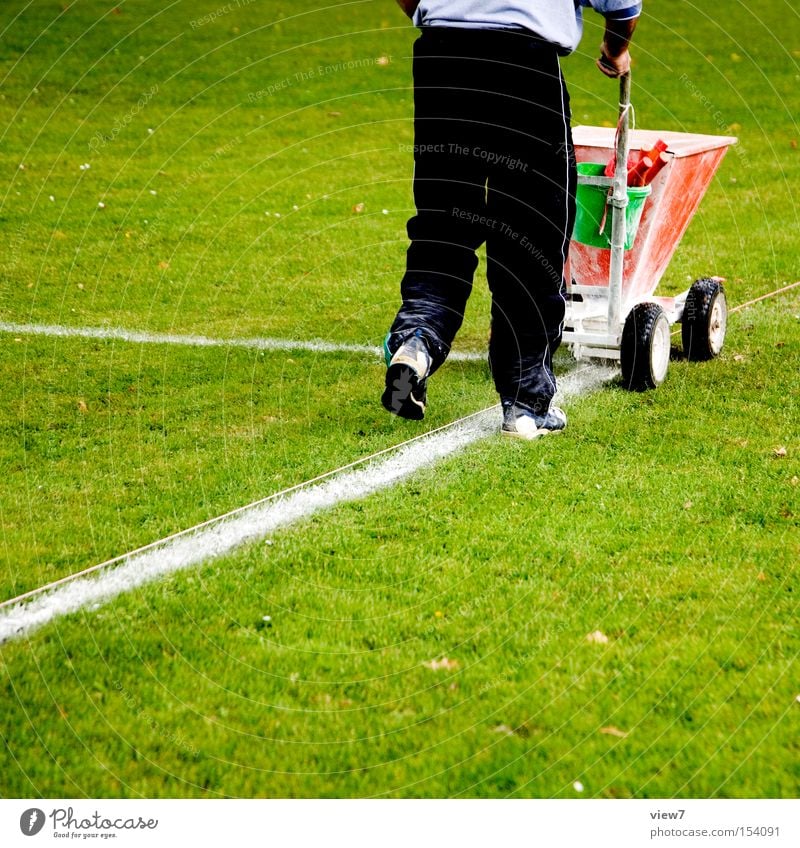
530	435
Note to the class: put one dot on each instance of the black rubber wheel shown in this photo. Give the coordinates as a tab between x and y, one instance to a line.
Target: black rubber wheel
644	352
705	319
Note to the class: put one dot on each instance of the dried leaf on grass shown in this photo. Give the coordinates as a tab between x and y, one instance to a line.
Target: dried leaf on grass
613	731
445	663
523	731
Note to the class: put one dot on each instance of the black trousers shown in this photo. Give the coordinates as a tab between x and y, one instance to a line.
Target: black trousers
493	162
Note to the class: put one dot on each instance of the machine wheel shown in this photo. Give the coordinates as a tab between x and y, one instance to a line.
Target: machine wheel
705	319
644	353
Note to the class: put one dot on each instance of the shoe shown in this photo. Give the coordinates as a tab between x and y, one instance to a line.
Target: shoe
520	422
406	379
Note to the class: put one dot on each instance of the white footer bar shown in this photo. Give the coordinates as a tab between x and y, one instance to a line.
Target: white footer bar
404	823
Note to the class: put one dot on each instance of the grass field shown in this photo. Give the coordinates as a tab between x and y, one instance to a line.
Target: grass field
430	640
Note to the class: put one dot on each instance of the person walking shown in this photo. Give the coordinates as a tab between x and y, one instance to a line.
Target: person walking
493	162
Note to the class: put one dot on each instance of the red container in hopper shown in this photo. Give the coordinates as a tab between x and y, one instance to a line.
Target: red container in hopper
637	174
639	168
655	170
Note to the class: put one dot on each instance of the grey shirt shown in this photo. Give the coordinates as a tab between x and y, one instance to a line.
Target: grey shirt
558	21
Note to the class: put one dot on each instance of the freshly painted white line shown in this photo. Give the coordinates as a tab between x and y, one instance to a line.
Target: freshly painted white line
221	535
143	337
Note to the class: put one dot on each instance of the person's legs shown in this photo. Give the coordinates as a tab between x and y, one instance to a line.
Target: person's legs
486	103
449	191
532	192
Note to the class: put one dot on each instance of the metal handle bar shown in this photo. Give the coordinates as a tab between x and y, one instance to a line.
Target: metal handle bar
618	202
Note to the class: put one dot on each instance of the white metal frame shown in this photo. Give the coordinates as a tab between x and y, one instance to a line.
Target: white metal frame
595	315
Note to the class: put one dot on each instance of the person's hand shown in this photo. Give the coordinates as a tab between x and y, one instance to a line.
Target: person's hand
614	66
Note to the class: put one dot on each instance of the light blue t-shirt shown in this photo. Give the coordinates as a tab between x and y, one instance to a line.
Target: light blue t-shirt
558	21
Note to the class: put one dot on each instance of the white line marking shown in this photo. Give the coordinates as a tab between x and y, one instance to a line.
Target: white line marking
221	535
143	337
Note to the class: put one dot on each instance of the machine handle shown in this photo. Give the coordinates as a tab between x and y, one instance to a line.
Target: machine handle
620	192
618	201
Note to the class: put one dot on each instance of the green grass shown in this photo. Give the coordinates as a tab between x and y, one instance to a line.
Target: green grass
668	521
112	445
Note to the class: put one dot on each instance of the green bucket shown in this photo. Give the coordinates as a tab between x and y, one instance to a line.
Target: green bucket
592	210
